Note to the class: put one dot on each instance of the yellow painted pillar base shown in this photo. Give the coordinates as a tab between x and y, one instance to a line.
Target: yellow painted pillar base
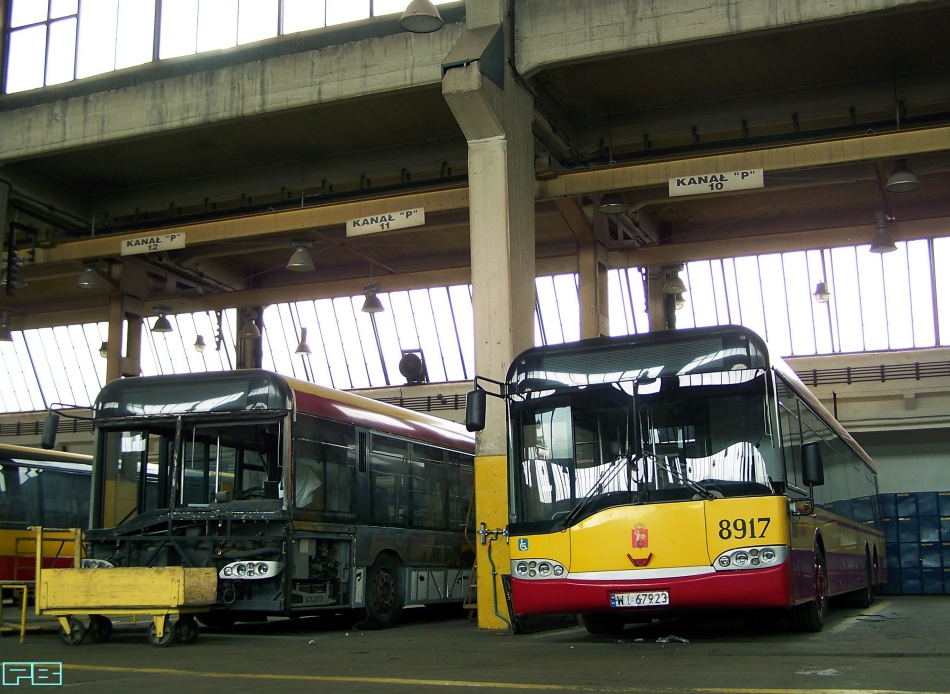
491	508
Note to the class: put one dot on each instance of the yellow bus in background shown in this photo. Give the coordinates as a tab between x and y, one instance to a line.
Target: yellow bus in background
40	487
680	471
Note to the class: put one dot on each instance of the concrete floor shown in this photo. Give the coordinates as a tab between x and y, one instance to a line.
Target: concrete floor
899	644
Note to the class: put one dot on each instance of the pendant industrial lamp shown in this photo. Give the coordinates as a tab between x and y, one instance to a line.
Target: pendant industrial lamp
673	283
89	278
303	347
371	304
902	179
161	324
250	328
612	203
882	241
421	17
301	261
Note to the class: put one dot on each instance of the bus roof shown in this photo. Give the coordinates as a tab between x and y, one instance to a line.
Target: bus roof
257	389
655	354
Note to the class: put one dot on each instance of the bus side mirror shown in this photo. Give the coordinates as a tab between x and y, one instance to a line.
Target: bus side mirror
475	410
813	473
50	429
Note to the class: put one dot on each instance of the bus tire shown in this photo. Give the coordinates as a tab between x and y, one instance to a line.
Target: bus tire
186	629
810	616
600	623
223	621
384	597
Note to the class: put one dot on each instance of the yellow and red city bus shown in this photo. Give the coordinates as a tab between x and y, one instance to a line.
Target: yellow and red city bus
40	487
306	499
679	471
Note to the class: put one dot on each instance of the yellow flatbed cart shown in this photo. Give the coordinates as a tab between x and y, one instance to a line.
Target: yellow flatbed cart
158	592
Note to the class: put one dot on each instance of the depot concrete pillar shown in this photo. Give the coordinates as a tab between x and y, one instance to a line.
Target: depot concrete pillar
495	115
592	285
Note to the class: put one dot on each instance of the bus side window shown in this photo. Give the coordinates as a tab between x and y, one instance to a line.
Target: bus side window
429	492
309	485
388	469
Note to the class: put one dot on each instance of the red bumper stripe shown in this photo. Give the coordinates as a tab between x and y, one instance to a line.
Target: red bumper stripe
735	589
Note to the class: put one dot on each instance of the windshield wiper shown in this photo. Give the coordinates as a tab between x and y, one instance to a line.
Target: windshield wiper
593	493
696	487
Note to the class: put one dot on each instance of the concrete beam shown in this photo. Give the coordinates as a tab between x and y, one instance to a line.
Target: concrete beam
559	31
348	70
865	148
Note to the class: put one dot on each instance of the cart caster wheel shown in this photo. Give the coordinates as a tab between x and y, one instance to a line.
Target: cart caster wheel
186	629
167	635
100	628
77	632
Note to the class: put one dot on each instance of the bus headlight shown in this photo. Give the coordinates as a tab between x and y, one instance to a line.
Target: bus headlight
250	570
751	558
537	569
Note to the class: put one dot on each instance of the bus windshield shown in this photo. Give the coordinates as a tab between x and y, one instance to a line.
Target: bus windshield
147	468
674	438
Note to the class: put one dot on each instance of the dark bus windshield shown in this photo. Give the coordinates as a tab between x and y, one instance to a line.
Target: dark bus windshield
679	438
219	461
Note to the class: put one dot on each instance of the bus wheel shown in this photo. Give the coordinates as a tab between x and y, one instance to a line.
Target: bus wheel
384	593
810	616
217	620
100	628
186	629
603	623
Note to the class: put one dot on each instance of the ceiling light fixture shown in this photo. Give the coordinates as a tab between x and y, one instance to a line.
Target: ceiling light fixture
882	241
612	203
821	293
303	347
89	278
162	324
104	350
421	17
300	260
902	179
200	343
679	301
673	283
371	304
250	329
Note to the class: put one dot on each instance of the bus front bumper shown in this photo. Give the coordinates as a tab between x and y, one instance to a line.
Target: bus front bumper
759	588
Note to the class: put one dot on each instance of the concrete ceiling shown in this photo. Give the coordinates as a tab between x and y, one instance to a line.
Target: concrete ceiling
825	108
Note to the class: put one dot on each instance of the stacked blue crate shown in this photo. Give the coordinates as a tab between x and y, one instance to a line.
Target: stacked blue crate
917	534
943	513
892	544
